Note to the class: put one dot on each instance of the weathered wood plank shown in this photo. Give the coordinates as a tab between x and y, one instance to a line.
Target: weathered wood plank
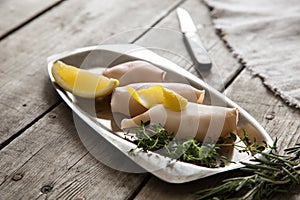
14	13
277	118
25	89
160	190
166	37
49	161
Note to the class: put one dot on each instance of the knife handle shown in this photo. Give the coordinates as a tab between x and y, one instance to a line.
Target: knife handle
197	51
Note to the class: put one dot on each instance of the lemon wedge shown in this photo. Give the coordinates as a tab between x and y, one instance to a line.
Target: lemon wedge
158	95
174	101
147	97
82	82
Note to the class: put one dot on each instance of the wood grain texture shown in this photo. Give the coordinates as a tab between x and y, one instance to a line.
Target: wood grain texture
249	92
167	40
49	161
14	12
26	92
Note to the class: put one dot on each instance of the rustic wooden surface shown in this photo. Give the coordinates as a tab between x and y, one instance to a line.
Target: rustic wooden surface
41	155
223	69
15	14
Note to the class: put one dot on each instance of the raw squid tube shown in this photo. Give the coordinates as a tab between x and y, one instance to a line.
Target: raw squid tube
122	102
202	122
135	72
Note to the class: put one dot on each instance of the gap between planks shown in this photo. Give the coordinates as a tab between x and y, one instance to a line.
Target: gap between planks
158	21
17	134
35	16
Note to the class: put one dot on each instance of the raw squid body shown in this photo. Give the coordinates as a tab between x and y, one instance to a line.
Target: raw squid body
135	72
196	120
122	102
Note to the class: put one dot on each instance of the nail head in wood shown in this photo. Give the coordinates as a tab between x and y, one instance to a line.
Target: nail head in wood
46	189
17	177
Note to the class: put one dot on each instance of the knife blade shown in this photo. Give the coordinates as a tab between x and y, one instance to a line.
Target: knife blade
193	42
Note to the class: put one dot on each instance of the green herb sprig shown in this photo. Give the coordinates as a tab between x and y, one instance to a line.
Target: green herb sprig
272	173
155	138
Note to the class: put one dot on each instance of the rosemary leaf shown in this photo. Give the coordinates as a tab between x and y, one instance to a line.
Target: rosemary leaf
272	174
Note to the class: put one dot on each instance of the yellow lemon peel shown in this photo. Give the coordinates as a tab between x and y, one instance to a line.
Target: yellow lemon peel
147	97
174	101
158	95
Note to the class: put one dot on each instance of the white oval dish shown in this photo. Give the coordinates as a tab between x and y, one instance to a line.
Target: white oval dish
162	167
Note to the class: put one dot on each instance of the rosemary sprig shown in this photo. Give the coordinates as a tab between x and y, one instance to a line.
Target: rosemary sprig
294	151
271	174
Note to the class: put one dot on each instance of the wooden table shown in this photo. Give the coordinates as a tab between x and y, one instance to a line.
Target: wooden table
41	154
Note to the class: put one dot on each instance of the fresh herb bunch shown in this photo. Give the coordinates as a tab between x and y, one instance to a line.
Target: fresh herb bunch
155	138
271	173
152	137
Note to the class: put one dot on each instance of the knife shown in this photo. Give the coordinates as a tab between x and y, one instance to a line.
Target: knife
193	42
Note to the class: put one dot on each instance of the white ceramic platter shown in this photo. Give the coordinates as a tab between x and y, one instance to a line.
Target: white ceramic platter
162	167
